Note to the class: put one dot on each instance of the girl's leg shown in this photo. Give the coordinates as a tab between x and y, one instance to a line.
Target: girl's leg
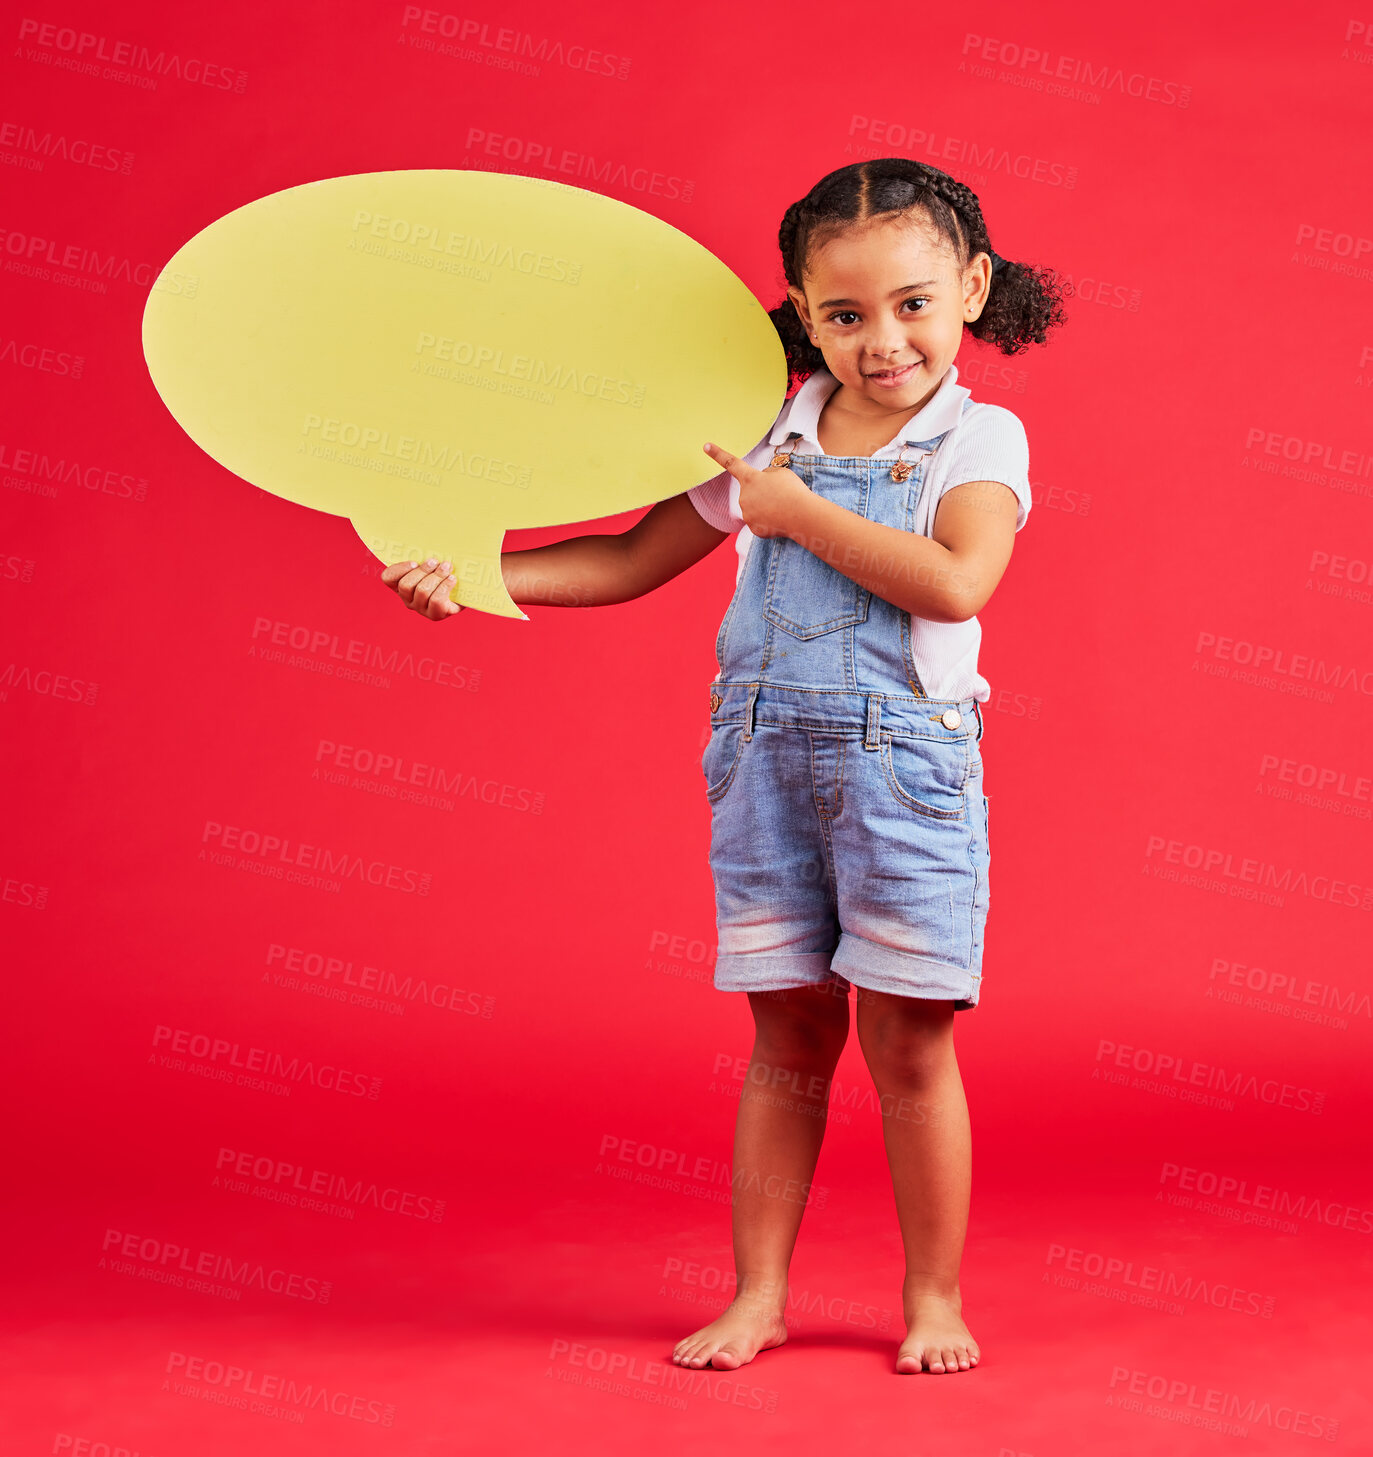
908	1043
800	1033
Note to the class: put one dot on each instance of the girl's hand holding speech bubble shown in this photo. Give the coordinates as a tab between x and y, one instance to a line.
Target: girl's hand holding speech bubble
427	588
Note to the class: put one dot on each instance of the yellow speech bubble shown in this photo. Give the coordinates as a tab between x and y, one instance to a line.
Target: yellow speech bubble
442	356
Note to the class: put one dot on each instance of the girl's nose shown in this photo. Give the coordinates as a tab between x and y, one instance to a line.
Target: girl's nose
889	344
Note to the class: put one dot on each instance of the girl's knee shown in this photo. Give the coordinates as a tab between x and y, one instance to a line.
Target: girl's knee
805	1024
907	1041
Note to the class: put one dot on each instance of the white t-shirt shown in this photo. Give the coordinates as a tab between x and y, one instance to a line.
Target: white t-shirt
986	443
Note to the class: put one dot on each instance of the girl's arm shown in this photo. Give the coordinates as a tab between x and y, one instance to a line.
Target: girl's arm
598	570
945	577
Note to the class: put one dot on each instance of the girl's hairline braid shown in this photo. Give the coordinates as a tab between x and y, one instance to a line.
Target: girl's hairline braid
961	200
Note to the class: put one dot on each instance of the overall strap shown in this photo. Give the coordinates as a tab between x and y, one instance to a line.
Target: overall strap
782	454
902	468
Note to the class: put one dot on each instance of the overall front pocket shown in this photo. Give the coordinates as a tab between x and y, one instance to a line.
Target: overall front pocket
807	597
928	775
720	761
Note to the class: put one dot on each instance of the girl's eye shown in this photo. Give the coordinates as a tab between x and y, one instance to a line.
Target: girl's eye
842	314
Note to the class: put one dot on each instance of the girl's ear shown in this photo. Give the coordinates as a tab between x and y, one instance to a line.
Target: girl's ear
977	284
798	300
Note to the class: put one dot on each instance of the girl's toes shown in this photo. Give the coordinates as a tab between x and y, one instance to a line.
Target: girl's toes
951	1360
728	1356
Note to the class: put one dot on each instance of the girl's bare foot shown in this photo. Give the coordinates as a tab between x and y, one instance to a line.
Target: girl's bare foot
936	1339
745	1328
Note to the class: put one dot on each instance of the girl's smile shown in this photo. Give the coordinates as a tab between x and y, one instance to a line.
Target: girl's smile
895	378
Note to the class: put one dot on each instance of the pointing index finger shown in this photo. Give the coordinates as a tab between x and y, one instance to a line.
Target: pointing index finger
721	456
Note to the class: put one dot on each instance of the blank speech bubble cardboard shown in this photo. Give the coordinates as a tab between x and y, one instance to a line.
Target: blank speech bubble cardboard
441	356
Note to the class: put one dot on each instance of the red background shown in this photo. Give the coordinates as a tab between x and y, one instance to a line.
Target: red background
1154	702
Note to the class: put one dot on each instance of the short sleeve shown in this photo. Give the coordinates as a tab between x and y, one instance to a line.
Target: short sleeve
990	445
712	500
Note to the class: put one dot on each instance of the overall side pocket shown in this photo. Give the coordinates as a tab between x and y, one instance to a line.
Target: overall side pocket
720	762
928	775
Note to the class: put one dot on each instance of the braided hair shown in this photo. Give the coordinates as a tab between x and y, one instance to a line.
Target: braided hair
1023	304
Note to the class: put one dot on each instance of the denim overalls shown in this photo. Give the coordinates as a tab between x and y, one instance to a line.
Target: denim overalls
849	831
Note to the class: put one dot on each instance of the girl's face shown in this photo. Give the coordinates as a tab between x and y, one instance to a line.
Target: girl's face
885	303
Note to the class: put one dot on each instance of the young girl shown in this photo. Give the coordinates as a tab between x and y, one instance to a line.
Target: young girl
849	836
